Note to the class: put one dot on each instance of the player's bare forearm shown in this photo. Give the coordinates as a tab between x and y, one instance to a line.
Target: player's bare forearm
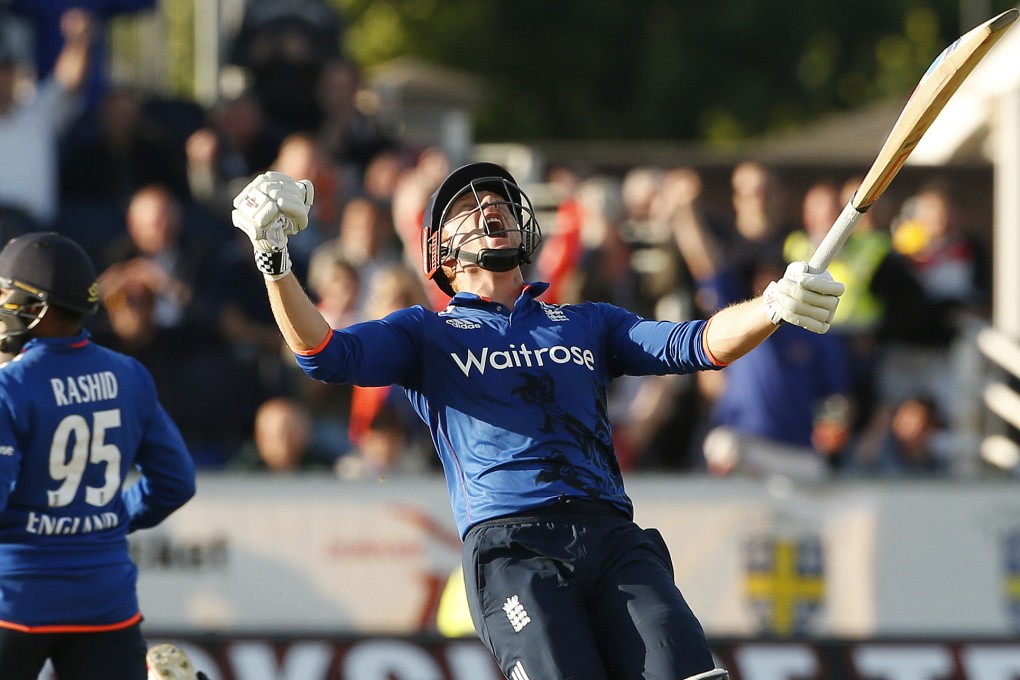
734	331
301	324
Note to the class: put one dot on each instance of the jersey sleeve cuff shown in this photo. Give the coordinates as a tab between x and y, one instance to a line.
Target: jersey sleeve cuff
707	349
318	348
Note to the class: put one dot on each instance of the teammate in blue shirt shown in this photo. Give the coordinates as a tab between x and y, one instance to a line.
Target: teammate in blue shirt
75	420
561	582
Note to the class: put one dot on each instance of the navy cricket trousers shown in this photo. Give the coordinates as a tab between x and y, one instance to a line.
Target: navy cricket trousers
107	655
580	592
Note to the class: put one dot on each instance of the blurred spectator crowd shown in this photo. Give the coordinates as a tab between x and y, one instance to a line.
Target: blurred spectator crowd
145	185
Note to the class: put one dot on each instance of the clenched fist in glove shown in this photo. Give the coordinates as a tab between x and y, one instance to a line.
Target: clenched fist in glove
803	299
272	207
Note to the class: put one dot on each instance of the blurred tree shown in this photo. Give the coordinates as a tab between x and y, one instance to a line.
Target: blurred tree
641	69
676	69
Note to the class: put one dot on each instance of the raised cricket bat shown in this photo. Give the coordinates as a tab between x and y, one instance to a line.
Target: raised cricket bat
930	95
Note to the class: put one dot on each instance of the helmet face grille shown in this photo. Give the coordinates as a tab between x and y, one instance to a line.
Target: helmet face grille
21	307
474	178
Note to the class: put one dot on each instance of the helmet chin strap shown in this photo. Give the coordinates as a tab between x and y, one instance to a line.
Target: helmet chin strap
492	259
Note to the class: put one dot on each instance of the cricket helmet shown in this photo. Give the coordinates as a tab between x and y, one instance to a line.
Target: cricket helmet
40	270
476	177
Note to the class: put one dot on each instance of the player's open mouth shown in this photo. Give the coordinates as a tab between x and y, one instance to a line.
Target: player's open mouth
494	227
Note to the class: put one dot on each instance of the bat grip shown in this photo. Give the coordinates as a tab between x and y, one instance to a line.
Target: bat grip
834	239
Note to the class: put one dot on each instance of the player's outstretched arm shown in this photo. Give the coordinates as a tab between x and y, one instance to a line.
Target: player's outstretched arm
270	209
800	298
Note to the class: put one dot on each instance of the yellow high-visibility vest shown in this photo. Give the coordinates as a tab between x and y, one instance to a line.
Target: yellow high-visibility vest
854	267
453	619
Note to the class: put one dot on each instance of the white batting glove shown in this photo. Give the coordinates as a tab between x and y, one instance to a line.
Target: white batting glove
803	299
272	207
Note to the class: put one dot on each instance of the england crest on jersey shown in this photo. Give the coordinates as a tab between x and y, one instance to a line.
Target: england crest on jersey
554	312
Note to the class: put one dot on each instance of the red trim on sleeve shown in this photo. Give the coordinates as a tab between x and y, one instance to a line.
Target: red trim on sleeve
708	350
316	349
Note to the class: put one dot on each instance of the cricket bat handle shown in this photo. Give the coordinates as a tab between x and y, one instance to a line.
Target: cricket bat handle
835	238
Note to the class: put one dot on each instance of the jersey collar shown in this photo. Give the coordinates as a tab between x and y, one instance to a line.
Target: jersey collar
68	342
531	290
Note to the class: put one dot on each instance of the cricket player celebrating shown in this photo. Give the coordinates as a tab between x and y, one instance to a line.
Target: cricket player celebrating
561	582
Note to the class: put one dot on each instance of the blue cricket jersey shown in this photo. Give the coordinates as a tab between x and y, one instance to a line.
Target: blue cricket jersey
75	419
515	399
